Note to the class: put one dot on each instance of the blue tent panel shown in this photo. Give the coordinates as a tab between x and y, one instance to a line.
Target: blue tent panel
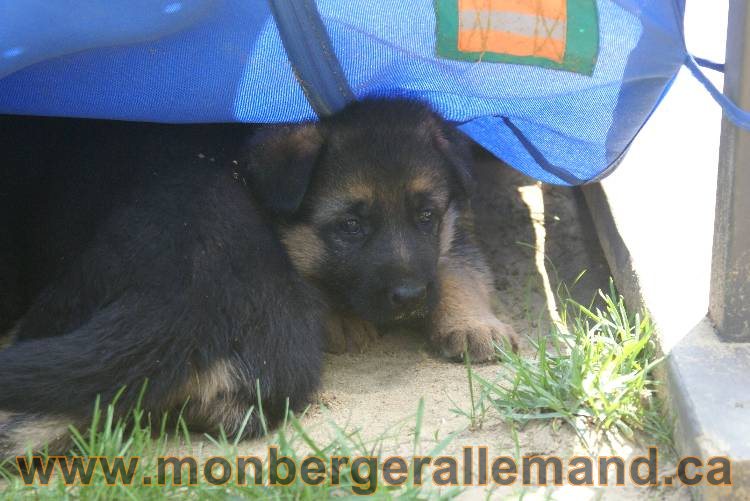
565	122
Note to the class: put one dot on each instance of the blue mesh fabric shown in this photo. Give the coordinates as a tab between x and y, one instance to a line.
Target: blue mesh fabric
223	61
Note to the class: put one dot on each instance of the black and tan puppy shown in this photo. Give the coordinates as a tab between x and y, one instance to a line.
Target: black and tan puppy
378	218
150	253
141	259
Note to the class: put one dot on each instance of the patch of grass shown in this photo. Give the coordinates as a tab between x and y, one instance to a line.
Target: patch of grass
592	371
134	437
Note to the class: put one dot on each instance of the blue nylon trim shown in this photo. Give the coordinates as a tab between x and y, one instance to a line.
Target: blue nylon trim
736	114
309	51
709	64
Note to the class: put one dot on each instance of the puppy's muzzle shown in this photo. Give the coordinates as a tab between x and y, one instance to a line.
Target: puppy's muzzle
408	296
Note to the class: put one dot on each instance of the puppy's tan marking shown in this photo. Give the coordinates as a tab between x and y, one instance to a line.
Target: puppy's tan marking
332	205
421	184
205	386
305	248
358	190
463	319
211	396
427	184
447	231
329	208
31	432
401	248
348	333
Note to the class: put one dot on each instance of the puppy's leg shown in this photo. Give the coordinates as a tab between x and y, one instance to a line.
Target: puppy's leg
463	319
348	333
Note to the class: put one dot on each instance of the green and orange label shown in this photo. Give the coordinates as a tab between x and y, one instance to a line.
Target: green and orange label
560	34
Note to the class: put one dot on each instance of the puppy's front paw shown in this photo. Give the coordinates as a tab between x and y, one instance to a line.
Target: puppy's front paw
348	333
477	336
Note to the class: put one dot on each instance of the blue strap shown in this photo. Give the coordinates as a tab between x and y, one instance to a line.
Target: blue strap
312	57
709	64
736	114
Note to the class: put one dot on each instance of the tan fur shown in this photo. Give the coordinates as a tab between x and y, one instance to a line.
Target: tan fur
332	205
427	183
401	249
204	386
330	208
463	290
447	231
32	432
209	395
357	190
463	319
421	184
304	247
348	333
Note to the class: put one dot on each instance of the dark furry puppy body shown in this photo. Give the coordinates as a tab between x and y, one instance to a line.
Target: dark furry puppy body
152	264
203	264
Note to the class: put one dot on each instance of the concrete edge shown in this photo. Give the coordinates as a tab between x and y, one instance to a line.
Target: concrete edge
704	377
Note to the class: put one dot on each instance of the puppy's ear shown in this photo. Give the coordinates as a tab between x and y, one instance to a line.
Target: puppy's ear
279	165
456	148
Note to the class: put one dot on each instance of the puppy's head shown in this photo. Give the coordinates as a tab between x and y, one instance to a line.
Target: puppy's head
365	202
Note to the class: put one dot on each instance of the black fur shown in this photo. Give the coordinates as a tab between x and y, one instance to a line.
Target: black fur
139	254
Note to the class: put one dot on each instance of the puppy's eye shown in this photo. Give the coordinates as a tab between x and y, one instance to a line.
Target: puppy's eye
425	216
351	226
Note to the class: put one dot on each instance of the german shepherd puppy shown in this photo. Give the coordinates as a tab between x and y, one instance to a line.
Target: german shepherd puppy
378	218
217	279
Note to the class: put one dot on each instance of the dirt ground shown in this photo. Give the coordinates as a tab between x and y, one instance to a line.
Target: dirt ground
377	392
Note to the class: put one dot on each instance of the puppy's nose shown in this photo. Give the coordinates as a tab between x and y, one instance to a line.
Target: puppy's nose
408	295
